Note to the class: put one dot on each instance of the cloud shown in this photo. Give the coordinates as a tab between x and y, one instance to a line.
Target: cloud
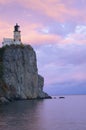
62	63
4	2
58	10
78	36
46	11
36	38
53	34
5	30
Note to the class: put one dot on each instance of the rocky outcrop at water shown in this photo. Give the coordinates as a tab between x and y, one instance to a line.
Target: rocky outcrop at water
19	78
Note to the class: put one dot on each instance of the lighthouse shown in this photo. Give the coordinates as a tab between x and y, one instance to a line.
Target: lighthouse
16	37
17	33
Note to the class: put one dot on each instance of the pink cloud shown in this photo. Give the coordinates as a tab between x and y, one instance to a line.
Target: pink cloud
74	38
79	76
5	1
56	9
36	38
5	30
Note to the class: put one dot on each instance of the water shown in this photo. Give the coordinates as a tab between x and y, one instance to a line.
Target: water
49	114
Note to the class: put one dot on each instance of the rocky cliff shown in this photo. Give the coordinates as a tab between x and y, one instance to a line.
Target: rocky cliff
19	78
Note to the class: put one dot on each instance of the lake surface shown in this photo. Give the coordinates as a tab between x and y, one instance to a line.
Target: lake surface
68	113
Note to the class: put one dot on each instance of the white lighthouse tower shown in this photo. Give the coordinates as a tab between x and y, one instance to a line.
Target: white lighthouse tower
17	35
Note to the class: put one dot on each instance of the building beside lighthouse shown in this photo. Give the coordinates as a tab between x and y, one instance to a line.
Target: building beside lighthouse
16	37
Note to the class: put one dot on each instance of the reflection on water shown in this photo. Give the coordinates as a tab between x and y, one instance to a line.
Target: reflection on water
50	114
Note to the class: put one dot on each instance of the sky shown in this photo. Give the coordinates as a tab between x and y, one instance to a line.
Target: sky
56	29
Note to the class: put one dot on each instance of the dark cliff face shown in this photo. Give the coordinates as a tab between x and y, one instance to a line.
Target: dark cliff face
19	74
